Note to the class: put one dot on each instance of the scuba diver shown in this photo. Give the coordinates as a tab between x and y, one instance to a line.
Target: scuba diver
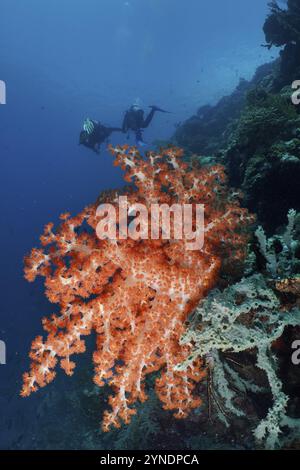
94	134
134	121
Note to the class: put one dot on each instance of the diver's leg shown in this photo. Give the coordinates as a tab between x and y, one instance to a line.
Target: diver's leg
139	137
96	148
149	118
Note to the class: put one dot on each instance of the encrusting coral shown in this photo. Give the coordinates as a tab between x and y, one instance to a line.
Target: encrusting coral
280	251
290	285
244	317
135	294
248	316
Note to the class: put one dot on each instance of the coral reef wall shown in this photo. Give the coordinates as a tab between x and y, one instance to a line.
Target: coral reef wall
255	131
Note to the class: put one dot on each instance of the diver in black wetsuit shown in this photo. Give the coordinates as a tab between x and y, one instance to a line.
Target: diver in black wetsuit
94	134
134	121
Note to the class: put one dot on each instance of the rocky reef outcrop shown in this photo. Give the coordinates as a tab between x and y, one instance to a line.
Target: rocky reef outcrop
282	29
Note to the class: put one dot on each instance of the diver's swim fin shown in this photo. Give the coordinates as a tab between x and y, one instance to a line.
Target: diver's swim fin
156	108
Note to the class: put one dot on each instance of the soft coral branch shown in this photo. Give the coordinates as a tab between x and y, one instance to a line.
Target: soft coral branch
135	294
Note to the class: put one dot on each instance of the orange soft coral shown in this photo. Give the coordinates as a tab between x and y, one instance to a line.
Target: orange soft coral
135	294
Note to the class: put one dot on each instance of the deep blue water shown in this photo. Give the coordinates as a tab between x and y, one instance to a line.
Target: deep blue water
64	60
